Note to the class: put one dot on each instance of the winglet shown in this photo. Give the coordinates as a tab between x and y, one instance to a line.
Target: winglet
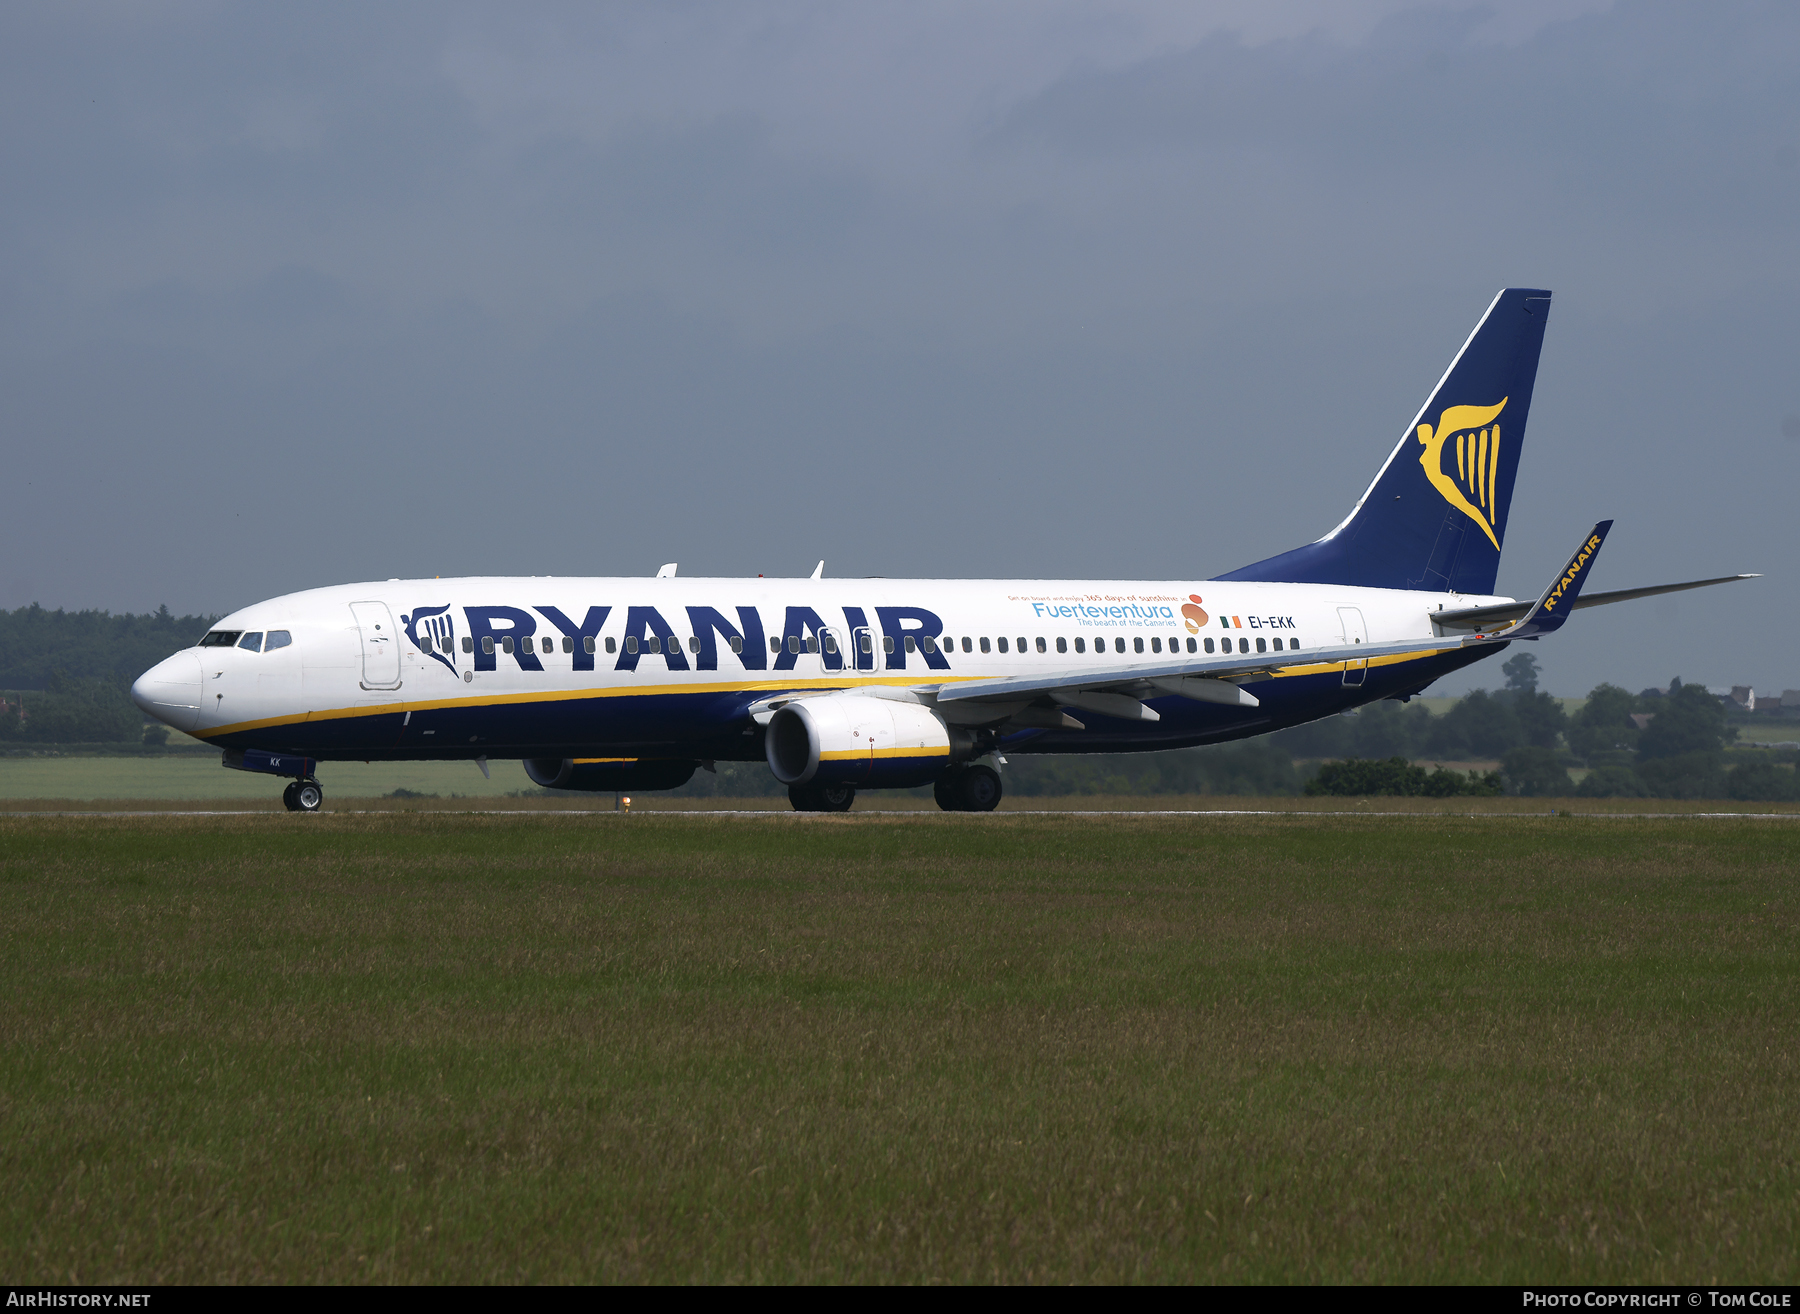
1557	601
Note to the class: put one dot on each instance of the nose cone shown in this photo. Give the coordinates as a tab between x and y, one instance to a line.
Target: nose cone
170	691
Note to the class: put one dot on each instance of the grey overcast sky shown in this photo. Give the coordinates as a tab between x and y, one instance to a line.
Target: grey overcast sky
298	294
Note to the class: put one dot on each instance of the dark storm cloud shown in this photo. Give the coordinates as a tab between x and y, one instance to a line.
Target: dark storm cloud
295	296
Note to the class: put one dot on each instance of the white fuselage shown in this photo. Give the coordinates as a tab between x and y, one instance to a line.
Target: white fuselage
568	665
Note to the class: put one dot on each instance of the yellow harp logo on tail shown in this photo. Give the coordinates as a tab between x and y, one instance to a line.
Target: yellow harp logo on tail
1472	489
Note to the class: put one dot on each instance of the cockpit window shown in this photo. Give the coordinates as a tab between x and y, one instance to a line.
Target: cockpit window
252	641
221	639
277	639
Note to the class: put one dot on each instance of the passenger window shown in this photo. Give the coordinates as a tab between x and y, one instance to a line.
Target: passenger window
424	643
610	644
1080	644
984	644
1040	644
1022	643
693	643
1137	644
587	644
487	644
277	639
506	644
469	644
911	644
774	644
653	643
1261	646
1062	644
1243	645
793	643
1193	647
549	644
887	643
1002	643
568	644
830	642
967	645
812	643
1209	645
1155	643
1293	645
252	641
929	643
631	643
866	642
1119	644
737	643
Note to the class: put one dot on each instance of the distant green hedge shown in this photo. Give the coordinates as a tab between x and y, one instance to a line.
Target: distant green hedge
1397	776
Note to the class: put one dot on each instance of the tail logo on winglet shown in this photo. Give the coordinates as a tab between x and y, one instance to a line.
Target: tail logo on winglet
1577	564
1472	489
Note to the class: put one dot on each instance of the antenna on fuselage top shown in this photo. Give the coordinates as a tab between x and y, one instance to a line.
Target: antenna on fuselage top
667	572
818	571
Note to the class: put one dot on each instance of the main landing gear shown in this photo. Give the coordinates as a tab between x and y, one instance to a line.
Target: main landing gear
303	795
968	789
821	798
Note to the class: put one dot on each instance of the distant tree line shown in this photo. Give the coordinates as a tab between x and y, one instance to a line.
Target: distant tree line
67	674
1678	751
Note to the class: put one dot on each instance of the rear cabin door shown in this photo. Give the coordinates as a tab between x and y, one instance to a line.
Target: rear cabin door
1351	621
380	645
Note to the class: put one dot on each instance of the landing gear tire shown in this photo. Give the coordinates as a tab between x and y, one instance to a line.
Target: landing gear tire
822	798
968	789
303	796
944	791
288	800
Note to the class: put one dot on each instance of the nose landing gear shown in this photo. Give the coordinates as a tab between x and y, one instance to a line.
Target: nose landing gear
303	795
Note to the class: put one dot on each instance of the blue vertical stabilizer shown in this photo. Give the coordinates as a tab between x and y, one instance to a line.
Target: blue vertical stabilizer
1435	517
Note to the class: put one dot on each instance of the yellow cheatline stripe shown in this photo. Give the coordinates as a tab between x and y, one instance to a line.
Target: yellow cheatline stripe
590	761
837	756
575	695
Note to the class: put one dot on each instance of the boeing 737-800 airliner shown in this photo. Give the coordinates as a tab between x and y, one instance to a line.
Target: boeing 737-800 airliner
840	685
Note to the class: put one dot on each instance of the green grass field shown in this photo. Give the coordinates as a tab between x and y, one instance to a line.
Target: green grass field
542	1047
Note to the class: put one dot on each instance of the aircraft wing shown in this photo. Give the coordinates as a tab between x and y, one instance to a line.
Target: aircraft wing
1209	679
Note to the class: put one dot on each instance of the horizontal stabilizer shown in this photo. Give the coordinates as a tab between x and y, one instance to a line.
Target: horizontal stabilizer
1481	618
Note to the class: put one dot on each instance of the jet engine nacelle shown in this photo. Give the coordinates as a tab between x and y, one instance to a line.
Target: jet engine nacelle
604	777
850	739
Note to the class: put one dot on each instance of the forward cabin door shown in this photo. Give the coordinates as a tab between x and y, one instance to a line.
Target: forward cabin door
1350	620
380	645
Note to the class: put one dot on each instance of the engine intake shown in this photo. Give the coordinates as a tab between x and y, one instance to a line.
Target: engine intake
850	739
